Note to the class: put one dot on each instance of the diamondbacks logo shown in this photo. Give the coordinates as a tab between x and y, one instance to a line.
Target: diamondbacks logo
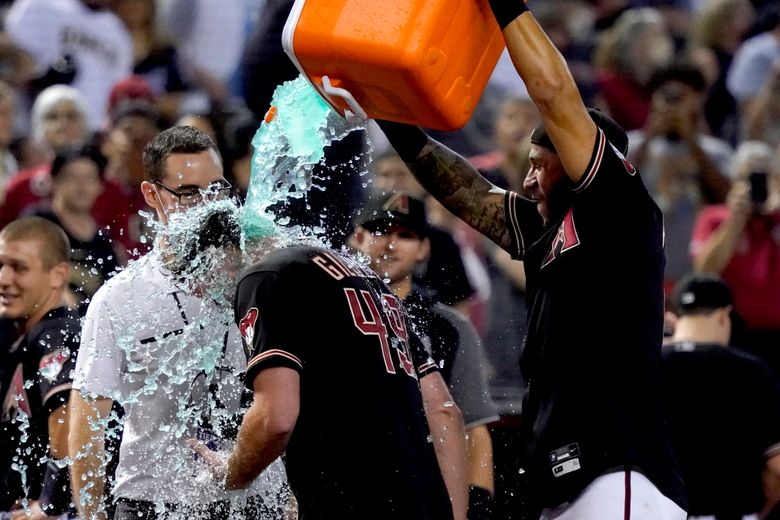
398	203
51	364
247	329
565	239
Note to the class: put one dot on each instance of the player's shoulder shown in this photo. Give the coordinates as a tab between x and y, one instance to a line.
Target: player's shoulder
127	283
61	323
289	257
306	261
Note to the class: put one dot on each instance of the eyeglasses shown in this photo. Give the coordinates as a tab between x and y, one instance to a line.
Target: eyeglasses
217	190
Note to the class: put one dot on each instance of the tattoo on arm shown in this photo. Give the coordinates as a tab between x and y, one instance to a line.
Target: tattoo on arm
459	187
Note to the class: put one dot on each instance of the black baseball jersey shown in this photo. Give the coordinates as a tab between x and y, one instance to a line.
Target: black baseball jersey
724	414
35	379
595	320
359	448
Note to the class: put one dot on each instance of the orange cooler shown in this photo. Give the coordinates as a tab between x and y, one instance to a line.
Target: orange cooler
424	62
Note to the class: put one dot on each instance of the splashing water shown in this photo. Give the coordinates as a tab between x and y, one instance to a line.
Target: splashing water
289	143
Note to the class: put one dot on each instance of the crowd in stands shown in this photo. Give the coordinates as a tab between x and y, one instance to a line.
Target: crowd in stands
85	84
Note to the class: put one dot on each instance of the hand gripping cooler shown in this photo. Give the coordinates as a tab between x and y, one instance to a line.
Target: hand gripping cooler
424	62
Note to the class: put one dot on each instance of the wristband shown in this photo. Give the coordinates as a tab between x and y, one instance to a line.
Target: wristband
506	11
408	140
480	504
55	491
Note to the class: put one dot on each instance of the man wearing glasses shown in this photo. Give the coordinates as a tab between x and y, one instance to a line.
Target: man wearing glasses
169	357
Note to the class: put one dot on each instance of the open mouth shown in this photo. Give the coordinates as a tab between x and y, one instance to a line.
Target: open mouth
7	299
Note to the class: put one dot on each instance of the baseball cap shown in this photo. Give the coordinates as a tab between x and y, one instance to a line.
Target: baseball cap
394	208
700	291
612	130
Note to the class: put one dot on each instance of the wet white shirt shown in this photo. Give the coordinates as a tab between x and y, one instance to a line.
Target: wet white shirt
168	358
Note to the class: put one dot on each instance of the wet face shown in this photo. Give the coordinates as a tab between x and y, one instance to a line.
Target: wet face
27	287
394	251
546	182
189	175
63	125
78	185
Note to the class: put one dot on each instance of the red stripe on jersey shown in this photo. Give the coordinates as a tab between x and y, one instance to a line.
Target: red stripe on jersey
514	223
627	502
588	178
426	366
273	352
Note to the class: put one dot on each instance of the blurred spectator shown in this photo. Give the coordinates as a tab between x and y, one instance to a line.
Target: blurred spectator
76	184
201	122
761	120
718	31
741	241
754	80
753	62
683	167
209	37
131	88
507	165
154	59
723	408
83	32
626	57
134	124
58	121
239	132
264	64
8	164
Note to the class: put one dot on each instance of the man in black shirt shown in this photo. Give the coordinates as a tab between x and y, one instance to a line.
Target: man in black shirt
392	232
591	239
35	368
723	407
340	383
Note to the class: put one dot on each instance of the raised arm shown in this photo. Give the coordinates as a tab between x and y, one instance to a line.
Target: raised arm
86	448
550	85
451	180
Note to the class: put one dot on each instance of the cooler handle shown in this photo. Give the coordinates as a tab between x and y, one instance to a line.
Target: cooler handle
354	106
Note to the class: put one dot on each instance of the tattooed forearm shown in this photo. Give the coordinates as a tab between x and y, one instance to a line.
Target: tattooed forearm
459	187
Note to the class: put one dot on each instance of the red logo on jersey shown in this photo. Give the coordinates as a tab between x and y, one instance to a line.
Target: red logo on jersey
51	364
565	239
247	328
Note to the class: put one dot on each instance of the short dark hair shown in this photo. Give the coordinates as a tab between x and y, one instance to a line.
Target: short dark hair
56	246
175	140
683	72
71	154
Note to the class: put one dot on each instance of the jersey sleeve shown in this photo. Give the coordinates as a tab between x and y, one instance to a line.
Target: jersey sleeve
58	343
266	315
524	223
611	186
100	359
423	362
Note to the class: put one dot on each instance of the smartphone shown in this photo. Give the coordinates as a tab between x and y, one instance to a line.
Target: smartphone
758	187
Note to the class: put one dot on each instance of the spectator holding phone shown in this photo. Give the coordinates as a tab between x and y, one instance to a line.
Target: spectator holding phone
683	166
740	240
